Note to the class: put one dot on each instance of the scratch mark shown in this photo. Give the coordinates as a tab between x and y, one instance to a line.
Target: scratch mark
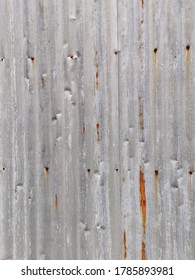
143	200
125	245
143	250
98	131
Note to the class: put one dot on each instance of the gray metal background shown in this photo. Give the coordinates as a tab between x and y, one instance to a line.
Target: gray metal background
97	129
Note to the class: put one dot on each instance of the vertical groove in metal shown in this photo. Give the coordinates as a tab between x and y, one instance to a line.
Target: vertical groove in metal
97	129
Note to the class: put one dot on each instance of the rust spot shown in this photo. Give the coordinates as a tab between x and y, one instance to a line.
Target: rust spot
96	77
47	171
143	250
155	50
116	169
142	4
88	170
4	168
190	172
187	47
71	56
156	173
33	59
141	126
143	200
125	245
98	131
84	129
42	82
56	201
142	21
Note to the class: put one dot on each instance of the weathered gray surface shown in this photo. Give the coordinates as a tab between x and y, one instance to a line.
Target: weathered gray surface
97	129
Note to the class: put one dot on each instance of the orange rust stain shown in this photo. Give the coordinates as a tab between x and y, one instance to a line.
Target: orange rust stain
96	77
56	201
142	4
143	200
98	131
125	245
141	126
143	250
84	129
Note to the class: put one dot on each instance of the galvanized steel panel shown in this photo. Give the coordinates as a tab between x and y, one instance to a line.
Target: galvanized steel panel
97	129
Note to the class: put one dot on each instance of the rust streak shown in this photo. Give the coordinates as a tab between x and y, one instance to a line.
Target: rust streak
143	253
33	63
125	245
42	82
156	184
140	115
142	4
155	55
143	200
96	77
156	178
56	201
84	129
46	171
98	131
187	53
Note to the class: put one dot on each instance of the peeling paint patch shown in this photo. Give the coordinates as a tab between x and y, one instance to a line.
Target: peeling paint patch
125	245
143	200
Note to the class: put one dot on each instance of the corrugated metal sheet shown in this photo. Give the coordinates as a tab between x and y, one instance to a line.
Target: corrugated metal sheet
97	129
